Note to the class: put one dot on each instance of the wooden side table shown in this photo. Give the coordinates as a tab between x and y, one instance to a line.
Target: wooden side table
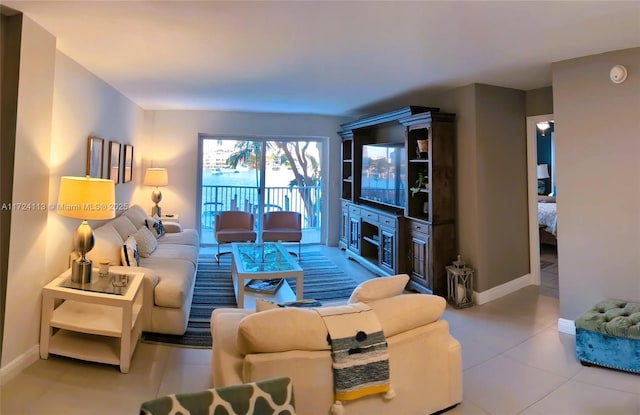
99	322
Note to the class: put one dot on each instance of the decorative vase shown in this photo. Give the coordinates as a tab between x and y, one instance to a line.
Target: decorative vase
423	148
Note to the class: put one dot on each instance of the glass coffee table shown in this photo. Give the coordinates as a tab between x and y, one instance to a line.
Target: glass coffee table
264	261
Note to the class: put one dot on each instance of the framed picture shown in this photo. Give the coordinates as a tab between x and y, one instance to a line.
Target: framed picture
127	171
94	157
114	161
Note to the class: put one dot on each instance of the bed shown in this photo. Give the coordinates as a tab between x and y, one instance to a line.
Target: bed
547	220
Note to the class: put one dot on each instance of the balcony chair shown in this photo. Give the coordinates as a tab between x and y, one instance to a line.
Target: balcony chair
233	226
282	226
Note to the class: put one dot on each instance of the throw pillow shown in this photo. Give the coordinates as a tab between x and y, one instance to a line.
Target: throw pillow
129	253
155	225
262	305
379	288
147	242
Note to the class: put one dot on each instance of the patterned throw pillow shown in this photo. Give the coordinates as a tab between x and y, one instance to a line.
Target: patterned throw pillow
270	396
129	253
155	225
147	242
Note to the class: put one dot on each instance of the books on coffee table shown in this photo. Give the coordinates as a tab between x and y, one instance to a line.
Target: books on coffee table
267	286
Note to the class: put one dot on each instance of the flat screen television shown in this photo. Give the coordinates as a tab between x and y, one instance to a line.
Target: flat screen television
384	174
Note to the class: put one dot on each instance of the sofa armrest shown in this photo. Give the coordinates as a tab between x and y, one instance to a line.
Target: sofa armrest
172	227
226	360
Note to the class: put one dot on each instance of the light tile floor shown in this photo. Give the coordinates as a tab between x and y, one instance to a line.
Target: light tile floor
514	361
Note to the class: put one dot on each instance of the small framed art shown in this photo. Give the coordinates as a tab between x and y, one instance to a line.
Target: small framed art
127	171
94	157
114	161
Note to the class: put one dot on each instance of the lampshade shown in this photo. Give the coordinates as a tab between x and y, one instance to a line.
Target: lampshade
543	125
156	177
86	198
543	171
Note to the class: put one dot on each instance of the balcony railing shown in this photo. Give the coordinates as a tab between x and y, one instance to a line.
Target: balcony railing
245	198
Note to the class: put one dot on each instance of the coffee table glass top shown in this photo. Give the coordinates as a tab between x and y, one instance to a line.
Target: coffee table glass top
265	257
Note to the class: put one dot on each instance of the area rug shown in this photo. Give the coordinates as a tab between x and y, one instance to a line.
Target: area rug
323	281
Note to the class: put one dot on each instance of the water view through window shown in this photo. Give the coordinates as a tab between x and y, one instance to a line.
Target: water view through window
259	176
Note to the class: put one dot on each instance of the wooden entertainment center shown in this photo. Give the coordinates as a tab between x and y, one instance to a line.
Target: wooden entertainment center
393	222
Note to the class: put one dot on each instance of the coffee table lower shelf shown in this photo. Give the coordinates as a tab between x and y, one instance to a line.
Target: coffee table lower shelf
283	294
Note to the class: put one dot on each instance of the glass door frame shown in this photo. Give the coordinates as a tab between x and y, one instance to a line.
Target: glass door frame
263	139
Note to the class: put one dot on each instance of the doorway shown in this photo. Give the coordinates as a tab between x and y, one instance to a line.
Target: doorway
260	174
542	203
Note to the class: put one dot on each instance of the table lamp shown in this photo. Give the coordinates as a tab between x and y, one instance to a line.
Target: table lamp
543	174
85	198
157	177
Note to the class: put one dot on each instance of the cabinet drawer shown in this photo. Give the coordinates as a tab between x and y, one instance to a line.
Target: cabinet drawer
387	221
420	227
354	210
369	216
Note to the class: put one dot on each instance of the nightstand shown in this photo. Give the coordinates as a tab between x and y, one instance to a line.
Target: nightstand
99	322
171	218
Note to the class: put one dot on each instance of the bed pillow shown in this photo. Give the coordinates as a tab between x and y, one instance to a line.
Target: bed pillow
129	253
147	242
155	225
378	288
546	199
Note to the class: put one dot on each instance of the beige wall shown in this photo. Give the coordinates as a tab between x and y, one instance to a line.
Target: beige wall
598	180
539	101
60	104
26	269
491	186
83	106
175	146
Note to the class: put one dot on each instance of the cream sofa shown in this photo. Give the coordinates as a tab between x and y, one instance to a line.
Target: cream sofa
425	361
169	270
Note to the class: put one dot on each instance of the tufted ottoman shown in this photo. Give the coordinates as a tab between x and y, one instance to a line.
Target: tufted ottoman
609	335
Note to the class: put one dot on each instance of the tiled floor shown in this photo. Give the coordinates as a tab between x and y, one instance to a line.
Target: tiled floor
514	360
549	270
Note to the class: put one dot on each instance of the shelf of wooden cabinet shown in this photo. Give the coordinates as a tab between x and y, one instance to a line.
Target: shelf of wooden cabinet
371	240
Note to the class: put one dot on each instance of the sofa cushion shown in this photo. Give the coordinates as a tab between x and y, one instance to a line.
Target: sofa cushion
136	215
129	255
108	244
147	243
284	329
185	237
175	251
155	225
378	288
175	280
123	226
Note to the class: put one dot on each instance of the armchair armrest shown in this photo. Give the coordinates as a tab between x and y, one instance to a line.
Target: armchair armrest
172	227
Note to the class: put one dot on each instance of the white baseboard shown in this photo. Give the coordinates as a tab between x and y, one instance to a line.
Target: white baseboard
566	326
17	365
501	290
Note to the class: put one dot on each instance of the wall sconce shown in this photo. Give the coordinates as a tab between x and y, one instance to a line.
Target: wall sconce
157	177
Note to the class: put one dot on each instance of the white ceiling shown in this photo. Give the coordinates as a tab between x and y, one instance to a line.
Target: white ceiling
324	57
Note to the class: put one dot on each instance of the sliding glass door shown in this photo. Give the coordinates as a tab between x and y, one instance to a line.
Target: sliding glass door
257	175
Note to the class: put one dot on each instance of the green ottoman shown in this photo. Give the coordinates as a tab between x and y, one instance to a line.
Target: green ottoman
609	335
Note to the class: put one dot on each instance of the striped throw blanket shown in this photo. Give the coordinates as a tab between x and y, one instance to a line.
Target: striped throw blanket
359	352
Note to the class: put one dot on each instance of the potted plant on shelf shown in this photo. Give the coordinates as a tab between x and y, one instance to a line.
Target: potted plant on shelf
421	183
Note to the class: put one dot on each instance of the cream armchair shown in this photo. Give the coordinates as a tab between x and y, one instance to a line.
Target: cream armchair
424	359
